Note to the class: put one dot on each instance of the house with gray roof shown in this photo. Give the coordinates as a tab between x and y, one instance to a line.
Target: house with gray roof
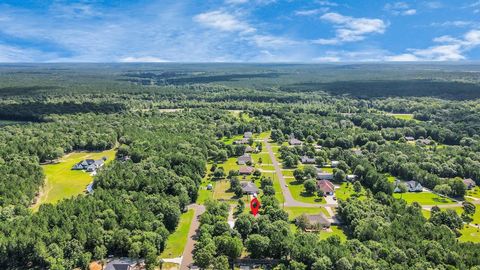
249	188
317	222
324	176
307	160
244	159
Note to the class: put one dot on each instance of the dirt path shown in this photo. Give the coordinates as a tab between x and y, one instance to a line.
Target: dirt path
289	200
187	257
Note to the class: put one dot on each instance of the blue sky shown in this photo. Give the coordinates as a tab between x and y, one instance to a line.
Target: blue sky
239	31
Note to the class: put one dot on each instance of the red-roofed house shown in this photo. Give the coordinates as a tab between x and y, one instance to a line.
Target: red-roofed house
326	186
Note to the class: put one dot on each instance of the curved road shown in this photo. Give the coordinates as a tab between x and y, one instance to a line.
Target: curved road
289	200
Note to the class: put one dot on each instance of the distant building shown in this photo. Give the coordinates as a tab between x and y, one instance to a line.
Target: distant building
244	159
412	186
247	170
242	141
409	138
307	160
247	135
357	152
317	222
294	141
120	264
326	186
424	141
249	188
249	149
90	188
335	163
89	165
469	183
351	177
324	176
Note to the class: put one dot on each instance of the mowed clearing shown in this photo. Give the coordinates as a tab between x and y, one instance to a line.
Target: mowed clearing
62	182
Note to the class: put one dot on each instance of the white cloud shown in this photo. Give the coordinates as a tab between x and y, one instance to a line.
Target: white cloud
350	29
400	8
406	57
223	21
450	49
143	59
433	4
265	41
327	3
327	59
311	12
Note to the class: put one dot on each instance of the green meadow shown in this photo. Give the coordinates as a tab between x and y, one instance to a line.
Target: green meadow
62	182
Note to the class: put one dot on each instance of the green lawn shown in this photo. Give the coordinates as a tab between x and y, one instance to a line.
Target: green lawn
177	240
345	191
470	234
62	182
336	230
474	192
294	212
264	156
403	116
298	192
232	139
390	178
423	198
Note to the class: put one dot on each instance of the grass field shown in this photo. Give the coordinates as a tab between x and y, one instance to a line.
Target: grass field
345	191
177	240
423	198
298	193
203	193
294	212
336	230
62	182
475	192
470	234
403	116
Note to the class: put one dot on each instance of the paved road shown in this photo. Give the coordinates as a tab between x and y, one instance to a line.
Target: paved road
289	200
187	257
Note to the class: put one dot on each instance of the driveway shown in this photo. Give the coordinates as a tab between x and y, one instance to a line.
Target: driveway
187	257
289	200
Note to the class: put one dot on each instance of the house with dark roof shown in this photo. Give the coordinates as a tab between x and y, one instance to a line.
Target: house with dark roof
244	159
317	222
469	183
121	264
89	165
307	160
294	141
326	186
324	176
249	188
246	170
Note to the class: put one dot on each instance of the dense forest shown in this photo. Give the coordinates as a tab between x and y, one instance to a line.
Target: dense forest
50	110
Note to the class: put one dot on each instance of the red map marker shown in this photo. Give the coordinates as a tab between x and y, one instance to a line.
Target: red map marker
254	206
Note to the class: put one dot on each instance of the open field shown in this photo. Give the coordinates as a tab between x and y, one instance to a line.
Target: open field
298	192
62	182
335	230
345	191
177	240
423	198
475	192
294	212
403	116
470	234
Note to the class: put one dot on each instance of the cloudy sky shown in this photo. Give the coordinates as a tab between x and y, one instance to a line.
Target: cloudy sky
238	31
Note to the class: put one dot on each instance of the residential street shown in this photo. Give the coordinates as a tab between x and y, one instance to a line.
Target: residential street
289	200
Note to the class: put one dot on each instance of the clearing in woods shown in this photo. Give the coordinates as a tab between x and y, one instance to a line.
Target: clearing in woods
62	182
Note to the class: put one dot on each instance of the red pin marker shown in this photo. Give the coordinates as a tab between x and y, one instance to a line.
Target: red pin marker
254	206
